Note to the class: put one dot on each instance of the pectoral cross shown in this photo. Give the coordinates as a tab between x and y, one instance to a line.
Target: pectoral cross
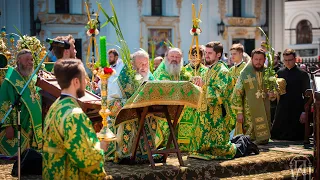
250	81
260	93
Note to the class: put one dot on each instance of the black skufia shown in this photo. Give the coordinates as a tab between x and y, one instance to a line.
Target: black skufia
31	163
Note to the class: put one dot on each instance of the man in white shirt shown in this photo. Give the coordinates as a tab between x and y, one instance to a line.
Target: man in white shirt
116	64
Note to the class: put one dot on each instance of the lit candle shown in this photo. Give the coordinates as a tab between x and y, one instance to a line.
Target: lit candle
103	53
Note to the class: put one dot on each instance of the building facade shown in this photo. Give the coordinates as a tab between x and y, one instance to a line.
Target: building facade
151	22
302	28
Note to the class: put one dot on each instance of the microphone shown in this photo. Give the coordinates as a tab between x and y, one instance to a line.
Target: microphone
56	43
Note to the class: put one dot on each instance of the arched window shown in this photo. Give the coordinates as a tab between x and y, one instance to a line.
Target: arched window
304	32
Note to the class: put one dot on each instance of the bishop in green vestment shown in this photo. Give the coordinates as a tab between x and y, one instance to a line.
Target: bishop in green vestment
213	125
251	101
120	91
171	69
186	121
71	148
31	121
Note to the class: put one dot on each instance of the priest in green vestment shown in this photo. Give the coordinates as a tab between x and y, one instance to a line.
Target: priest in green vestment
120	91
186	121
31	121
171	69
71	148
212	127
251	101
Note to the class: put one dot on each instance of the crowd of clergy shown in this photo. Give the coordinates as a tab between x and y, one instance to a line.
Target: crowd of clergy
235	102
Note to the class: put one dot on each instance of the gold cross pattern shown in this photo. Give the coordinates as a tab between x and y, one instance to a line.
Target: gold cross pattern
250	81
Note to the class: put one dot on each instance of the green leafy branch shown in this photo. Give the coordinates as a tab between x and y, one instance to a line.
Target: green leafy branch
270	74
123	47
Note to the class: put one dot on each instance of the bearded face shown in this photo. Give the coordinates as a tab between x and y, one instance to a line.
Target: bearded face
173	68
25	64
174	62
82	89
258	62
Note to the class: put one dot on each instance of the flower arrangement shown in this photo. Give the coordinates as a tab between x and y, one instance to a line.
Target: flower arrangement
92	27
32	43
195	30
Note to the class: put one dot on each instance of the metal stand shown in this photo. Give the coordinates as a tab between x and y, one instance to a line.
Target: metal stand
19	137
17	104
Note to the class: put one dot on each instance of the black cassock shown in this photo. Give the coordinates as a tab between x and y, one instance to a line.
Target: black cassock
286	125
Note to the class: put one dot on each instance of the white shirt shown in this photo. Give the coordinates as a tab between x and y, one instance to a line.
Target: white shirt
112	83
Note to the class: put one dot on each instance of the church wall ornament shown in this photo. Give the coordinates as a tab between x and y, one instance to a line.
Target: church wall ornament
139	3
159	22
257	9
222	8
179	2
240	21
48	18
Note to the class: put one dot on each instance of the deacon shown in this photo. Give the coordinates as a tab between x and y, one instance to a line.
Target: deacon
238	62
211	128
290	115
251	100
71	148
62	53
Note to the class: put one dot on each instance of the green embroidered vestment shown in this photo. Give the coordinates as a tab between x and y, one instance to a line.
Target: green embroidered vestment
31	121
71	148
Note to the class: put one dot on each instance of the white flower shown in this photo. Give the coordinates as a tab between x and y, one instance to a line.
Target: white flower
192	33
96	32
198	31
95	72
272	78
138	77
88	33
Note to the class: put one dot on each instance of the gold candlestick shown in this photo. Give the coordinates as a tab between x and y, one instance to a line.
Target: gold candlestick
105	133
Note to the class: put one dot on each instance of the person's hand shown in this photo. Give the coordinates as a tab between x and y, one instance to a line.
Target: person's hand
9	132
104	145
197	81
240	118
303	118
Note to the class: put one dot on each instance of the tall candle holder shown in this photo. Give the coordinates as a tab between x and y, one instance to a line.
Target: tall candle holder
105	133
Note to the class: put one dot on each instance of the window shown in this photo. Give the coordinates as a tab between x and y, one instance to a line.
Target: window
62	6
78	44
304	32
156	8
236	8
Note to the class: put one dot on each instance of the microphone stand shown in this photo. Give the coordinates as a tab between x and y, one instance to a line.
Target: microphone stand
17	105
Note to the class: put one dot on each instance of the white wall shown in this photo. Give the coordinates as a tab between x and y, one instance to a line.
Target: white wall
301	10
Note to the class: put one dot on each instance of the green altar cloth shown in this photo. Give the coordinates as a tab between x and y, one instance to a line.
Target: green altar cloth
155	93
